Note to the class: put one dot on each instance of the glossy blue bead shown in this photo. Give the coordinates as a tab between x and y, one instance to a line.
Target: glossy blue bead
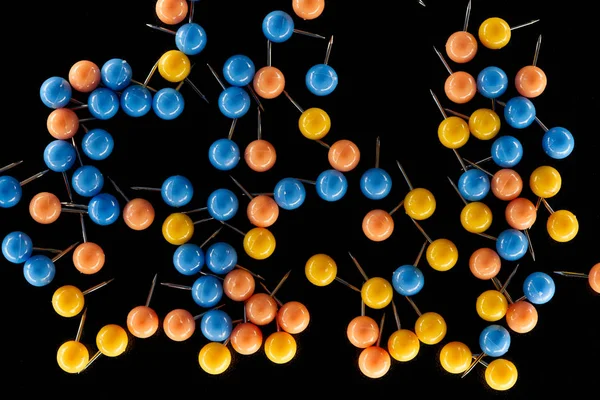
408	280
59	155
239	70
331	185
55	92
39	270
207	291
539	288
321	80
10	191
216	325
512	245
221	258
103	103
190	39
492	82
519	112
104	209
87	181
136	101
474	185
116	74
177	191
224	154
97	144
278	26
507	151
289	193
494	340
234	102
17	247
222	204
376	183
168	104
558	143
188	259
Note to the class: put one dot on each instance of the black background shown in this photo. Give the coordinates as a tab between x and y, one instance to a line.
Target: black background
386	64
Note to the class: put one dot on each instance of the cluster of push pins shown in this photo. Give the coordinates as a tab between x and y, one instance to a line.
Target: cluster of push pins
111	88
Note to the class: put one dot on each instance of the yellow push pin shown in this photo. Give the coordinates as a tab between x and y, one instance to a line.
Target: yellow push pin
376	292
453	132
419	203
178	228
475	217
430	327
545	181
455	357
111	341
314	123
68	300
403	345
73	356
501	374
492	305
259	243
495	33
321	270
562	225
215	357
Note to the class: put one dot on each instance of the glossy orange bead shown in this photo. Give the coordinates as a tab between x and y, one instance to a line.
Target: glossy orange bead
484	263
44	208
293	317
263	211
171	12
521	317
374	362
594	278
506	184
84	76
260	155
261	309
530	81
268	82
460	87
62	123
461	47
308	9
362	331
246	338
142	322
378	225
179	325
520	213
88	258
343	155
138	214
238	285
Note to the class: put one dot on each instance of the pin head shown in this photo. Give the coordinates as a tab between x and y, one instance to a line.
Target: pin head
484	124
97	144
507	151
456	357
430	328
17	247
136	101
168	104
460	87
10	191
190	39
142	322
84	76
239	285
68	301
262	211
59	155
214	358
72	357
261	309
234	102
378	225
374	362
103	103
87	181
539	288
403	345
314	123
375	183
545	181
280	347
268	82
362	332
289	193
501	374
474	185
293	317
207	291
520	213
461	47
112	340
216	325
178	229
55	92
116	74
492	82
62	123
494	33
224	154
103	209
239	70
321	80
512	244
442	254
594	278
188	259
377	293
320	270
259	243
521	317
308	9
88	258
278	26
221	258
343	155
138	214
558	143
476	217
453	132
419	204
519	112
246	338
171	12
260	155
507	184
484	263
494	340
408	280
222	204
531	81
177	191
39	270
331	185
174	66
491	305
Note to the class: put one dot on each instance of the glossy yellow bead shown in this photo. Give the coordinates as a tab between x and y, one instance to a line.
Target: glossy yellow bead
314	123
562	226
430	328
403	345
501	374
494	33
68	301
484	124
214	358
280	347
259	243
72	357
174	66
112	340
453	132
545	181
377	293
476	217
455	357
178	228
419	204
442	254
320	270
491	305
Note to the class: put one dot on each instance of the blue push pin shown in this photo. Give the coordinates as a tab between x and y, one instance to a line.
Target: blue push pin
176	190
331	185
136	100
474	184
103	103
97	144
221	258
207	290
222	204
512	244
103	209
558	143
224	154
539	288
116	74
87	180
321	79
55	92
234	102
216	325
190	38
39	270
59	155
10	188
519	112
289	193
408	280
376	183
492	82
507	151
168	104
278	26
494	340
17	247
189	258
239	70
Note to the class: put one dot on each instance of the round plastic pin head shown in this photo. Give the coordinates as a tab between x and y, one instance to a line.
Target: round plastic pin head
558	143
280	347
55	92
512	244
520	213
501	374
224	154
442	254
293	317
320	270
403	345
39	270
44	208
308	9
378	225
343	155
246	338
239	285
190	39
97	144
278	26
136	101
491	305
222	204
174	66
268	82
492	82
507	151
87	181
594	278
104	209
530	81
171	12
539	288
314	123
188	259
62	123
460	87
103	103
72	357
453	132
239	70
221	258
261	309
260	155
545	181
519	112
177	191
84	76
234	102
59	155
138	214
494	340
262	211
419	204
142	322
362	332
455	357
474	185
484	124
376	183
289	193
494	33
430	328
377	293
179	325
207	291
321	79
112	340
88	258
214	358
374	362
408	280
168	104
521	317
331	185
461	47
476	217
506	184
17	247
216	325
178	228
259	243
116	74
484	263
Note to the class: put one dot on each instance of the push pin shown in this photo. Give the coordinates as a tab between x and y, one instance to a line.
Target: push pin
495	33
461	46
321	270
430	327
73	356
59	155
111	341
55	92
62	123
507	151
17	247
378	225
10	189
343	155
207	290
84	76
138	213
460	87
68	300
484	123
246	337
261	308
268	82
521	315
260	155
39	270
375	292
474	184
178	228
280	347
142	321
314	123
419	203
179	325
494	341
501	374
234	101
562	225
88	257
376	183
224	154
321	79
475	217
259	243
455	357
403	345
87	180
45	208
97	144
408	280
519	112
362	331
557	142
374	361
216	325
222	204
293	317
521	214
539	288
176	190
453	132
290	193
593	277
531	80
331	185
262	210
189	258
171	12
103	103
239	283
308	9
190	38
214	358
278	27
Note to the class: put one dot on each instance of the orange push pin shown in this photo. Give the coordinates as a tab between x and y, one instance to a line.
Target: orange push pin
260	155
593	277
62	123
308	9
343	155
378	225
268	81
45	208
461	46
485	264
362	331
239	284
262	210
374	361
521	316
68	301
73	356
88	257
171	12
293	317
531	80
142	321
179	325
84	76
460	86
246	338
261	308
138	213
